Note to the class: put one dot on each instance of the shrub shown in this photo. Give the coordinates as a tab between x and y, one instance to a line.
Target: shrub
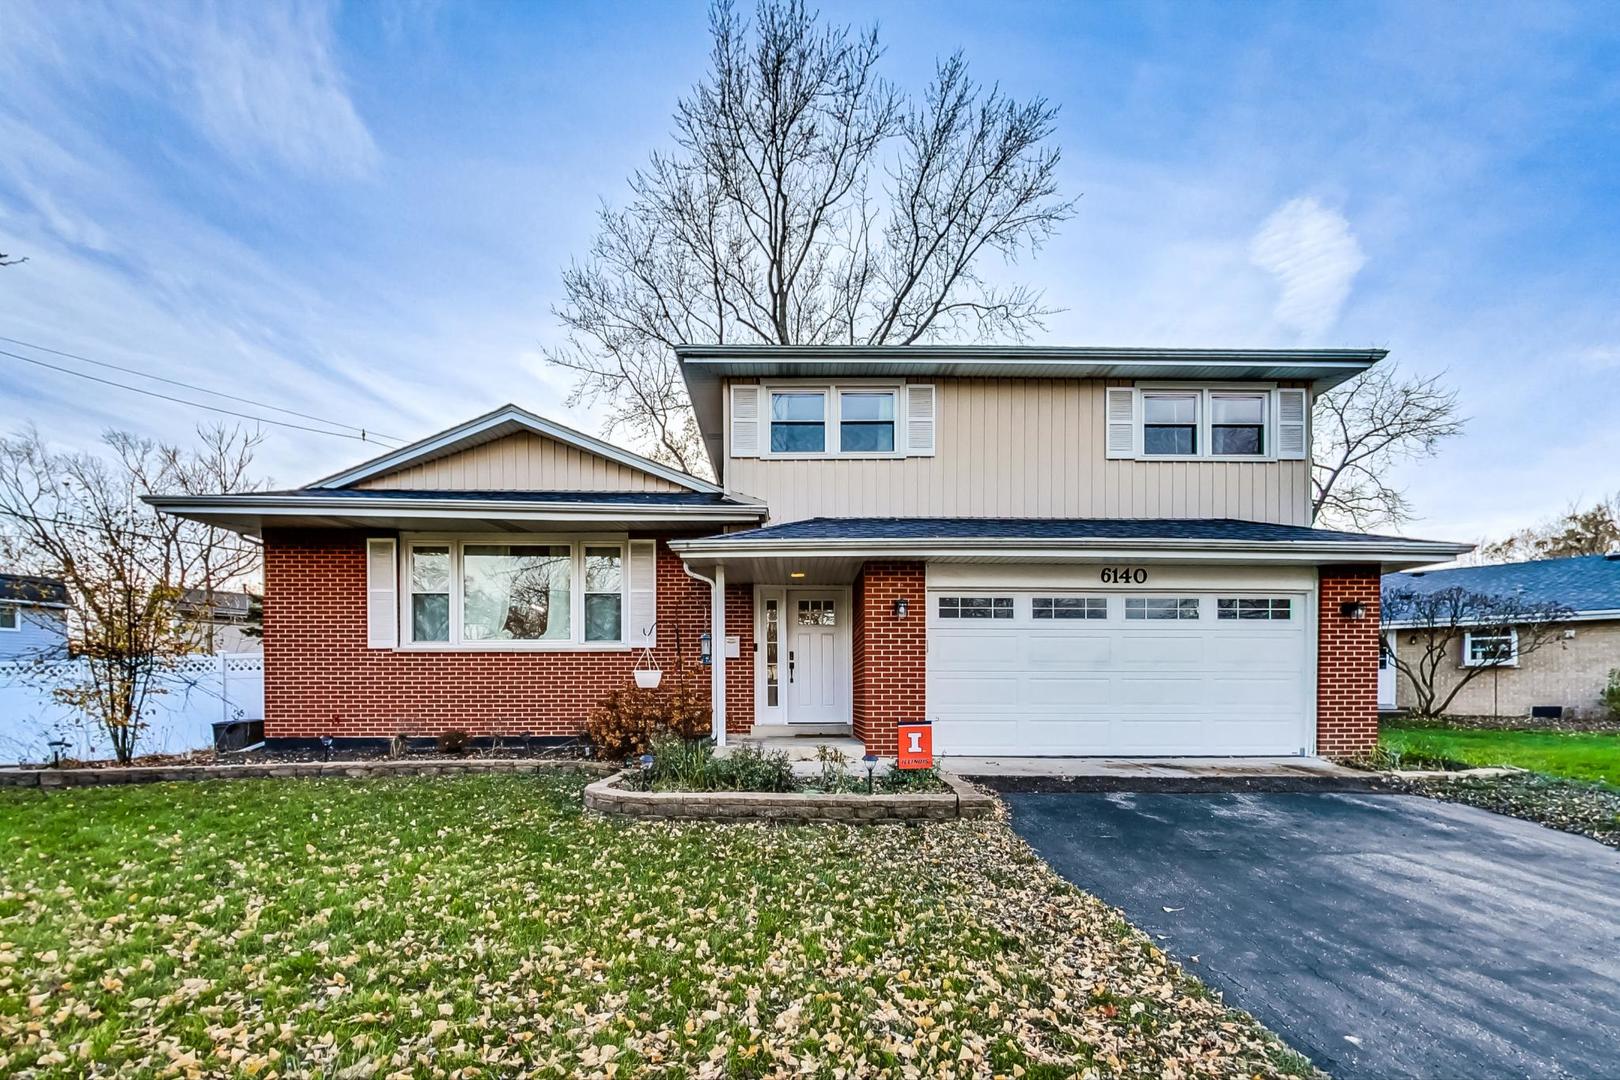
749	768
690	765
453	741
1611	693
624	724
912	781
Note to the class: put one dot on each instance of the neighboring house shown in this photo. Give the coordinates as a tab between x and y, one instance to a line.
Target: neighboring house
230	620
33	618
1567	674
1040	550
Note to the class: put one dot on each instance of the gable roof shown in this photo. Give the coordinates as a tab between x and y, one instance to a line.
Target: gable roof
1587	584
506	420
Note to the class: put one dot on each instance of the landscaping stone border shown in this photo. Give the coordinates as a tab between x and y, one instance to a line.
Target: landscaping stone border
607	796
358	770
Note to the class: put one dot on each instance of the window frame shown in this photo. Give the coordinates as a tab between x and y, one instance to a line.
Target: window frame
1087	609
1199	410
1203	437
16	617
893	394
997	611
1238	615
1181	603
1469	660
832	395
576	543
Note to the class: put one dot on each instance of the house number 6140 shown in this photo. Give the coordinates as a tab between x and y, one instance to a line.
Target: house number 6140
1124	575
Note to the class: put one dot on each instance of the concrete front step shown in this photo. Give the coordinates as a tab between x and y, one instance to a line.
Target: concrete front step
805	747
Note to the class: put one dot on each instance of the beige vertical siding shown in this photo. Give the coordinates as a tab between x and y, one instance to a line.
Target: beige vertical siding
1024	448
521	462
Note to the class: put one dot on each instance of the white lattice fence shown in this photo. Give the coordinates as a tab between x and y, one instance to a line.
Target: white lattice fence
203	690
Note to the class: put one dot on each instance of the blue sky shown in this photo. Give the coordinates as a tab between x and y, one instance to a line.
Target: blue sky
361	211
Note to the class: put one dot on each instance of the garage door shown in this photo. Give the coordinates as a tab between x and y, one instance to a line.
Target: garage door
1050	672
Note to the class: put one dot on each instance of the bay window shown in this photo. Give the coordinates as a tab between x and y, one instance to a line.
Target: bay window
477	594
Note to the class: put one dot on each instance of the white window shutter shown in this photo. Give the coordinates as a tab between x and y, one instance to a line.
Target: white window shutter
745	421
382	594
920	425
1121	421
1292	420
641	631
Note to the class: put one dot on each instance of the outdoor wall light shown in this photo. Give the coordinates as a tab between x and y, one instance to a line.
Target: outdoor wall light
706	649
1353	609
901	606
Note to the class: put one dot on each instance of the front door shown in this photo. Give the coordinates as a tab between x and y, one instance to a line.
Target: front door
818	658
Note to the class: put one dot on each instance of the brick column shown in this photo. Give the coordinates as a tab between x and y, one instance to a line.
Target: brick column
890	654
1347	662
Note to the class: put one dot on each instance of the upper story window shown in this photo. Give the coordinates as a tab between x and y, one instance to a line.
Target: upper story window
8	617
798	422
1237	424
866	421
1148	422
857	419
1170	422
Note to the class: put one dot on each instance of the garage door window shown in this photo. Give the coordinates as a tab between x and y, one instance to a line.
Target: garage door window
1070	607
1165	608
1247	608
975	607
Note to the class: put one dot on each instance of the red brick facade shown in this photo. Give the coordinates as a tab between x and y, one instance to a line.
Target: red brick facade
890	654
1347	662
322	679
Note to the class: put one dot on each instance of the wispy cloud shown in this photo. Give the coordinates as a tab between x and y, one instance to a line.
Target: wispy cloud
1315	258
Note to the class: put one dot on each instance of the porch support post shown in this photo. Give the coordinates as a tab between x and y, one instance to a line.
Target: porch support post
717	664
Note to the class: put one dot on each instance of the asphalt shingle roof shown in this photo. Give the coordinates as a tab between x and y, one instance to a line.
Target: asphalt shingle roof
1583	583
1192	529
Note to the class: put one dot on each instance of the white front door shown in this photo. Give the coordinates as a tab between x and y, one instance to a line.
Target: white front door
1386	674
818	683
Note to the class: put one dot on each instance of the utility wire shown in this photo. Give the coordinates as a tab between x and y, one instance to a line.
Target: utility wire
193	386
90	525
364	435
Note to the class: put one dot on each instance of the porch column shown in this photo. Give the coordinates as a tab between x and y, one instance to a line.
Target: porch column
717	663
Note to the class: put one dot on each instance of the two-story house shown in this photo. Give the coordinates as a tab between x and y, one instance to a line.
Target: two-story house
1042	551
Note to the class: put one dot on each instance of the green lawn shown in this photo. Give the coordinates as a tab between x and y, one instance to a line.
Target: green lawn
1576	756
483	925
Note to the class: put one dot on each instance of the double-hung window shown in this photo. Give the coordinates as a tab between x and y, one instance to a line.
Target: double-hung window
8	617
478	594
866	421
1170	423
1237	424
1497	649
798	422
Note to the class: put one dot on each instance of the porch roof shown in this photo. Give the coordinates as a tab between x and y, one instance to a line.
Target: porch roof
427	510
1062	539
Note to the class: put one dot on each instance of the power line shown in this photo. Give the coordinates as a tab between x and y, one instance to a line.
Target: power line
89	525
193	386
364	436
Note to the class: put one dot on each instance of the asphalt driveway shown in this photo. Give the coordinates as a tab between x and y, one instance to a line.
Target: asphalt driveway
1382	935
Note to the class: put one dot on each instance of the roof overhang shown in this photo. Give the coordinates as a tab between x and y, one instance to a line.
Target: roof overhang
706	367
1389	554
507	420
250	514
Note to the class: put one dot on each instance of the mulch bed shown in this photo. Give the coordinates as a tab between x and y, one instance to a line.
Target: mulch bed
1511	723
1568	805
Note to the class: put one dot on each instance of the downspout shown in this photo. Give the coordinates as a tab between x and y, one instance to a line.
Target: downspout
717	647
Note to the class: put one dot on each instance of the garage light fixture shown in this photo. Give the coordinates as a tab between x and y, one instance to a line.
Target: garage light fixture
1353	609
796	574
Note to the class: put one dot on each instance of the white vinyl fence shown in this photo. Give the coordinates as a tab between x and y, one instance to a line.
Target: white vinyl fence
203	691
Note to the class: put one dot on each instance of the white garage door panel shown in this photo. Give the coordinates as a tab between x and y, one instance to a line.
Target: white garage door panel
1119	687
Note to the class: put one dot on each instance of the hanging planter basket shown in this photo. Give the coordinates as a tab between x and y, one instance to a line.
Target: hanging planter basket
648	675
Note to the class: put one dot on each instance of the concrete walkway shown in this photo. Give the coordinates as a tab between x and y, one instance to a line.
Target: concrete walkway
1156	767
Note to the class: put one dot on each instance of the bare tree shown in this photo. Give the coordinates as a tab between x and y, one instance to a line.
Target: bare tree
1364	427
80	517
807	201
1505	628
1592	531
7	260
